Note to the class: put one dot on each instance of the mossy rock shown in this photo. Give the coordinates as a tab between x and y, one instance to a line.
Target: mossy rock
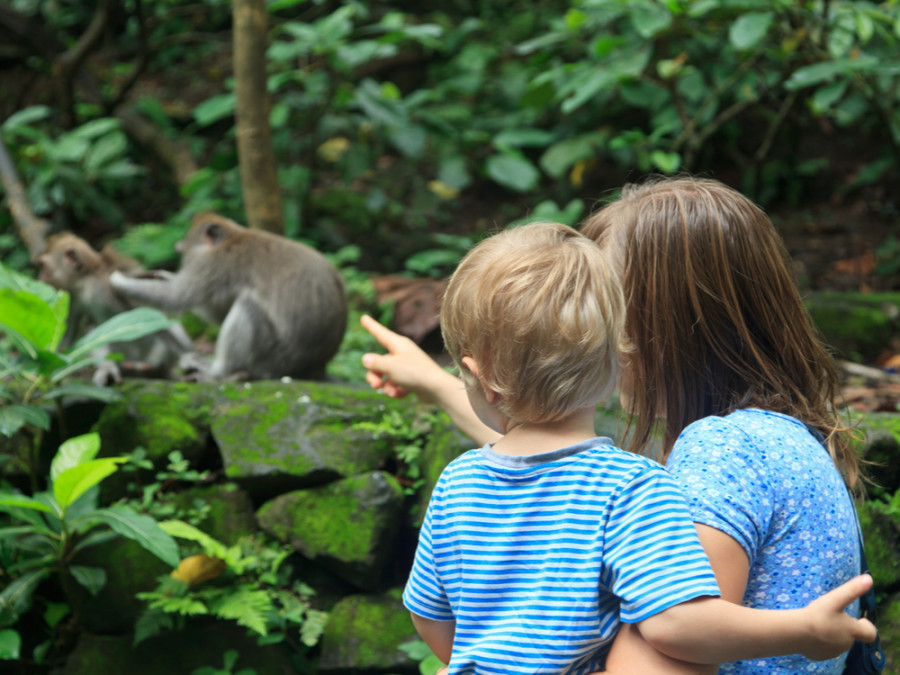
350	525
888	622
364	634
231	513
881	533
857	325
158	416
276	436
445	443
178	653
880	447
130	569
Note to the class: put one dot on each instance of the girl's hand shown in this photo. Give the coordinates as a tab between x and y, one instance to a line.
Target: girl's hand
833	630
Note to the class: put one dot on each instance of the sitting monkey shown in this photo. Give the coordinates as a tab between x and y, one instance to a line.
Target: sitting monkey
281	305
70	264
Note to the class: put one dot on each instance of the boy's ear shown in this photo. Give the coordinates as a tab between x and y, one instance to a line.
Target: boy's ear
472	367
489	394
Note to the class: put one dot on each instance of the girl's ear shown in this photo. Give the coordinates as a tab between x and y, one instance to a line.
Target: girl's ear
489	394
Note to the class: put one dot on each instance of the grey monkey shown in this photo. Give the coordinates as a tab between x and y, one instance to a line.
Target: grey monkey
281	305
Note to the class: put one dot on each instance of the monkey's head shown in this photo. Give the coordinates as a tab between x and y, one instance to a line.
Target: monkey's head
66	259
207	232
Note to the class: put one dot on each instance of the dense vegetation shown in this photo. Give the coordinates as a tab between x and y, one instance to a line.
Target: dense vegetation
402	131
399	126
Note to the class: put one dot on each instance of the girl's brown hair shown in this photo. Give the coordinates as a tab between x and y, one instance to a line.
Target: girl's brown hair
714	319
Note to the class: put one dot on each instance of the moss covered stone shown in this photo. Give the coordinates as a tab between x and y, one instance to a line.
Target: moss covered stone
882	536
351	525
178	653
880	446
158	416
231	514
130	569
364	633
304	430
889	630
858	325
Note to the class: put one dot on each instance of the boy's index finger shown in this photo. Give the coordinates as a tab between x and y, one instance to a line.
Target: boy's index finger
385	336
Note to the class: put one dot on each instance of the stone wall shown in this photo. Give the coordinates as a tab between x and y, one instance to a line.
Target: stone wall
311	465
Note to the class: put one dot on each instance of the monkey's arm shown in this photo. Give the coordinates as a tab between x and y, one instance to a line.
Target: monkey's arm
160	289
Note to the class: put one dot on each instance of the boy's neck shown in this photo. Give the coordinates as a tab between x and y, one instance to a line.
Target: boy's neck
532	439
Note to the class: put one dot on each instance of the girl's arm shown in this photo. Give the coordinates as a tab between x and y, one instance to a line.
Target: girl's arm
729	562
406	368
713	630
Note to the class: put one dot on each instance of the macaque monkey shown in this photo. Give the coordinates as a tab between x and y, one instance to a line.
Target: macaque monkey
281	305
69	263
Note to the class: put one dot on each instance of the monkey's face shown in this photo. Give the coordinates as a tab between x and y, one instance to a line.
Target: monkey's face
60	268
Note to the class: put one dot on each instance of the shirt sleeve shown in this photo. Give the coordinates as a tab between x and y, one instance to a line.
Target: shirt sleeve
725	481
424	594
652	554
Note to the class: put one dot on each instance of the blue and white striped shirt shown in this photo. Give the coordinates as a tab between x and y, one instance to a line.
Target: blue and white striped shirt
537	558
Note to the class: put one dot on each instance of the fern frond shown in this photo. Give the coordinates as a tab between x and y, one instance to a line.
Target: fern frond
248	607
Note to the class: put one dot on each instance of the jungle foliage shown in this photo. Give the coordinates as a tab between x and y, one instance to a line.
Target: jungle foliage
393	121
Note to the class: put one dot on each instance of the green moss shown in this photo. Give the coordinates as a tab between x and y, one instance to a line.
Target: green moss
858	325
881	537
296	428
158	416
334	520
365	633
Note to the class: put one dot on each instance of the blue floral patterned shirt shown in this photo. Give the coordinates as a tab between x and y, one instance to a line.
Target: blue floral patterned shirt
764	480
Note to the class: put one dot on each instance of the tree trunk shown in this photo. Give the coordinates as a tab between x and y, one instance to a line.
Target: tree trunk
259	176
32	229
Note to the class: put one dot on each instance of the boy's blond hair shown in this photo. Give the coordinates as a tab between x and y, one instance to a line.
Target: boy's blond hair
540	310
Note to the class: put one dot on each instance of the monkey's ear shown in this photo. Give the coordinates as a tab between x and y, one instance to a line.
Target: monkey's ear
214	234
72	256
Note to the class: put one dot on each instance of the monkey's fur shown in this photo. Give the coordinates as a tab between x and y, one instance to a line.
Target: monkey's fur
69	263
281	305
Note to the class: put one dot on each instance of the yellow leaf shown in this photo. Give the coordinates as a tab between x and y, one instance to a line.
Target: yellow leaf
333	149
442	190
198	568
576	176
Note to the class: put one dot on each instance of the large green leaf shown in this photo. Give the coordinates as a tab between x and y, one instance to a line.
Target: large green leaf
14	416
74	482
92	391
10	645
513	171
31	318
183	530
19	282
10	500
15	599
827	70
123	327
750	29
649	17
73	452
142	529
92	578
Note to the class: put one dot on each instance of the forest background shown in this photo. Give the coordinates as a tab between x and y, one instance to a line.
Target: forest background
391	135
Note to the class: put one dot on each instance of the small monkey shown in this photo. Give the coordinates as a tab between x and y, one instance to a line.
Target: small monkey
69	263
281	305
